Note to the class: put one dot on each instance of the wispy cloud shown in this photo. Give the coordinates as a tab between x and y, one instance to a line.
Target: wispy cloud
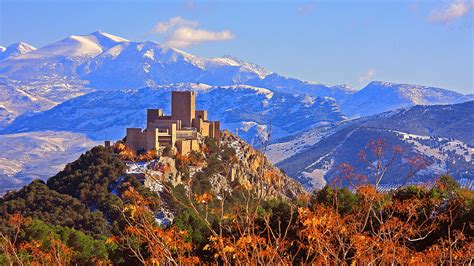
185	37
451	11
306	8
367	75
182	33
173	23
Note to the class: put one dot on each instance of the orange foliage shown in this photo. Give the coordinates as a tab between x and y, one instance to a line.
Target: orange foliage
148	156
162	245
54	253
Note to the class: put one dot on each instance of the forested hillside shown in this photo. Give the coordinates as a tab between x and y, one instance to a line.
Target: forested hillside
225	204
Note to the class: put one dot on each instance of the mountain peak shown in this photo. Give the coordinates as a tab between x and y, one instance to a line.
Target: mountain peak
399	86
345	87
104	35
380	96
381	83
78	46
21	47
15	50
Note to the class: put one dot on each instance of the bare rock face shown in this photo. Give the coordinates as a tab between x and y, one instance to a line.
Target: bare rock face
163	169
252	167
238	166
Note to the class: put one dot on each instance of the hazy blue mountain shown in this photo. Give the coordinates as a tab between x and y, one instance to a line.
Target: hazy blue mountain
442	135
106	114
378	97
15	50
80	64
28	156
291	85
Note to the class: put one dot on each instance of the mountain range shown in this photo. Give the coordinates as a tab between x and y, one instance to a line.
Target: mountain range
95	85
439	137
105	114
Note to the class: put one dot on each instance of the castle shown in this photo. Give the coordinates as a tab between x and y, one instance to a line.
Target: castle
181	130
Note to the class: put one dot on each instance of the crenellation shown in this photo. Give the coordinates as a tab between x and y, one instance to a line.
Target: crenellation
182	129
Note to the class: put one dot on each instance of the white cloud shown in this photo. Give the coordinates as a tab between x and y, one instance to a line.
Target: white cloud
181	33
173	23
186	36
448	13
367	76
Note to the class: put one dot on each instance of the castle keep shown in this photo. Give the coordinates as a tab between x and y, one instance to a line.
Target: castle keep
181	129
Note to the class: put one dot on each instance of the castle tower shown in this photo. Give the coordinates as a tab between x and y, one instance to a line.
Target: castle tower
183	107
152	115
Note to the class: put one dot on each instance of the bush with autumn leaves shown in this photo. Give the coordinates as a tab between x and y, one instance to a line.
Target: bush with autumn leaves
422	224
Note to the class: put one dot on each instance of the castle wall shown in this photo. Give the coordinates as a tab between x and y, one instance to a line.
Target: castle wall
136	139
201	114
186	134
201	126
205	127
152	142
165	124
186	146
215	130
167	138
152	115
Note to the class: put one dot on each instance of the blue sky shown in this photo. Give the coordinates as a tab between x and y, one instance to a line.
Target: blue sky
332	42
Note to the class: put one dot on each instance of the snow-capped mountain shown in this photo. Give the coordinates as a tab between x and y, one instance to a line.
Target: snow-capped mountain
98	61
59	59
83	63
105	114
14	50
100	57
442	135
378	97
150	64
105	61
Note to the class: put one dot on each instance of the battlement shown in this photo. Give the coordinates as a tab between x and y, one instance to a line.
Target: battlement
181	129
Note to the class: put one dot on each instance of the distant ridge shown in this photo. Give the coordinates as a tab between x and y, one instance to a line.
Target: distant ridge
15	50
378	97
443	135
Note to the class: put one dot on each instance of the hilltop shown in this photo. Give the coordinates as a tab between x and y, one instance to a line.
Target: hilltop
222	204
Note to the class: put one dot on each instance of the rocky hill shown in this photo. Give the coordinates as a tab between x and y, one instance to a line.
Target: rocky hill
222	203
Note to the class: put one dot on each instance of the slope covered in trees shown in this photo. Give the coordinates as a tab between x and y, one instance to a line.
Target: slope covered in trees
229	207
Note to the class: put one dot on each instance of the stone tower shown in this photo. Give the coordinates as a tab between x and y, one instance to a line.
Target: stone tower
183	107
